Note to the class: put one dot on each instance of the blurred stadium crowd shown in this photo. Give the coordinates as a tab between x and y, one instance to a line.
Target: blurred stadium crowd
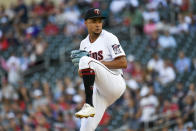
158	38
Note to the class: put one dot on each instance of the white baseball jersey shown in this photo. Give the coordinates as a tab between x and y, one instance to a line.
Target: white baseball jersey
149	105
109	85
106	48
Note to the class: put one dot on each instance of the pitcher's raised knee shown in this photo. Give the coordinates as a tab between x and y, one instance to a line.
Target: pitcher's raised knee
84	62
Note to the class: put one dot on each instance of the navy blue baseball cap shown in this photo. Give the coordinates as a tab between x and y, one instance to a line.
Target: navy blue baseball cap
94	13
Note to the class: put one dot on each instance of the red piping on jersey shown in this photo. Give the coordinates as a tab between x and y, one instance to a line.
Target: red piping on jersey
103	66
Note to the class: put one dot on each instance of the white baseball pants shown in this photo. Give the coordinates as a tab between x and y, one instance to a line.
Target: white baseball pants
108	87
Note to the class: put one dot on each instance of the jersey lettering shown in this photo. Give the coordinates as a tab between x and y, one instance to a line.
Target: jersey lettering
97	55
100	55
94	55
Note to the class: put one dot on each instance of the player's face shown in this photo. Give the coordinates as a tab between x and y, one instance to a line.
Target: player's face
94	25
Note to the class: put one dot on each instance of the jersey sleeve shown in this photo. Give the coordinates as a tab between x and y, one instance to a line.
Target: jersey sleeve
114	47
81	45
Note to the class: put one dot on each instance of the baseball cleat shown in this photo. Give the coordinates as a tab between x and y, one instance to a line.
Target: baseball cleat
86	111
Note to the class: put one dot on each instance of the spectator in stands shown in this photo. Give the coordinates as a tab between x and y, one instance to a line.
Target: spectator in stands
162	25
13	123
60	16
153	40
194	63
24	97
183	63
173	29
192	26
51	29
39	101
130	109
70	29
40	45
164	77
59	121
166	74
8	92
136	20
138	72
149	27
32	30
24	61
180	94
21	12
69	122
189	126
63	104
68	82
191	91
9	12
58	90
46	89
70	92
36	85
117	6
170	109
148	108
151	14
12	39
48	6
155	63
2	13
130	66
14	69
184	23
41	123
188	110
133	85
180	125
4	43
4	21
166	41
37	10
185	6
157	4
72	13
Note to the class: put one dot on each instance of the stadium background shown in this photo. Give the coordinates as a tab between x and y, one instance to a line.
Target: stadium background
40	89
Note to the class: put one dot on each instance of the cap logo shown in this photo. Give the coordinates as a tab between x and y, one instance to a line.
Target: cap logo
97	11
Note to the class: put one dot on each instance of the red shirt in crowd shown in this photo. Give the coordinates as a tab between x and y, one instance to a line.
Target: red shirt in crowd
51	29
4	44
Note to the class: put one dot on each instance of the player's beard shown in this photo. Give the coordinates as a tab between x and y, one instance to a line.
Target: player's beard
96	34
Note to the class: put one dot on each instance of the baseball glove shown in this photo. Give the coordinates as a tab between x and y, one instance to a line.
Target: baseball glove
76	55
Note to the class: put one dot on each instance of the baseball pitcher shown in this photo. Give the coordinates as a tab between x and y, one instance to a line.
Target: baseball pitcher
100	60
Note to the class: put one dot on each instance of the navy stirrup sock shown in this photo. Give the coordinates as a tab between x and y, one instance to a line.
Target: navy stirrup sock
88	76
